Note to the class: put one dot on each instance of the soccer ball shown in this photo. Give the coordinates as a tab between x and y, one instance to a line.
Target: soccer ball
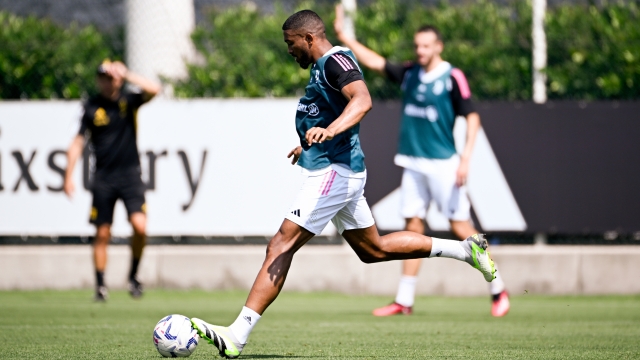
174	336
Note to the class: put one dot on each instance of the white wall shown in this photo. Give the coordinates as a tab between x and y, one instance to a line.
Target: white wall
526	269
245	185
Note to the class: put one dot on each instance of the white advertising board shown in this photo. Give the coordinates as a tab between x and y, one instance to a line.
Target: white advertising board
215	167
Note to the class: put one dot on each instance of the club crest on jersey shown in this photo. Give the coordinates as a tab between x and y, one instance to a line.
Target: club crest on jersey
312	109
438	86
100	117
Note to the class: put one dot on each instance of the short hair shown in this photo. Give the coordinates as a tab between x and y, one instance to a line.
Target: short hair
430	28
306	20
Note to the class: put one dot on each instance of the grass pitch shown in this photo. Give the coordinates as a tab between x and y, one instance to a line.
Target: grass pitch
68	325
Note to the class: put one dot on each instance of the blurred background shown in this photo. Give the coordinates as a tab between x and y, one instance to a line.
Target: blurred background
556	82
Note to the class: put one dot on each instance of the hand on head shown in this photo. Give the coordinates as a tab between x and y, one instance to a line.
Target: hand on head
116	69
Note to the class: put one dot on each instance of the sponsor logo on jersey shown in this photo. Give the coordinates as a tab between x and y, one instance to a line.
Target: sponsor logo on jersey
312	109
428	112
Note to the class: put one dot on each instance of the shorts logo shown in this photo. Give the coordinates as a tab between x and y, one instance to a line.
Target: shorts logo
296	212
312	109
94	213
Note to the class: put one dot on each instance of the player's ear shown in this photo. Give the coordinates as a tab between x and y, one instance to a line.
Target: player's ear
308	37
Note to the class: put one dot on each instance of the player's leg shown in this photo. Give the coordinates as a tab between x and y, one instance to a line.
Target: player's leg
104	199
131	190
405	296
371	248
415	200
100	242
454	203
138	241
231	340
317	202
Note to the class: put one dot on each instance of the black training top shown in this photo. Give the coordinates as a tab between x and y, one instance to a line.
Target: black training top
112	126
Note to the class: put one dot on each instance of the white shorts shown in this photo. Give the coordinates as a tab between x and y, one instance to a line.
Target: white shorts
424	180
335	193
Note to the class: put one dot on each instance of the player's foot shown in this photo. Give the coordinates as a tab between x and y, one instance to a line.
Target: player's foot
220	336
135	288
393	309
102	294
500	306
478	256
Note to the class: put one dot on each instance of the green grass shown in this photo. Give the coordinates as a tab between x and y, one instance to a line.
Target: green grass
68	325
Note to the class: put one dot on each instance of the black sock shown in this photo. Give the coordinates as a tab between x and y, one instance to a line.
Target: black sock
100	278
134	268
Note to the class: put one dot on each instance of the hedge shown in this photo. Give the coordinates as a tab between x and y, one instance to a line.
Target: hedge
42	60
594	52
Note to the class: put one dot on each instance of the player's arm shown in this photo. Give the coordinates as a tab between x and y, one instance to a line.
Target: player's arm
366	57
342	74
73	153
149	88
359	105
462	105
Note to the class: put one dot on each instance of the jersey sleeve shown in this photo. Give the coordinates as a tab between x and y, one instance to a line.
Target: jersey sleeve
136	100
460	94
85	120
341	71
395	72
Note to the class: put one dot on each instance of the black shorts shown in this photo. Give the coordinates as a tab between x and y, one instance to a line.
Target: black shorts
107	189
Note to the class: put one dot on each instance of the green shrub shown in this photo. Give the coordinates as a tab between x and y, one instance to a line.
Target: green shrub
244	56
594	53
40	59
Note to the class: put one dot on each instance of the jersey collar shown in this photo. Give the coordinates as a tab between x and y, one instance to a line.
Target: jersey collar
427	77
335	49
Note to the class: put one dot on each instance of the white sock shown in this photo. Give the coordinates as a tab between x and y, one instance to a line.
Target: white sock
243	325
406	290
497	285
447	248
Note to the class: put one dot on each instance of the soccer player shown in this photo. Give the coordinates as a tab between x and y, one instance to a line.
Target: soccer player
434	94
327	123
110	121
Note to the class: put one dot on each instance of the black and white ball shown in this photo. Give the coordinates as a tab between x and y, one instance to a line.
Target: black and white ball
174	336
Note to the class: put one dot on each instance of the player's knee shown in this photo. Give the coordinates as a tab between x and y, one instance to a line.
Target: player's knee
103	234
278	245
140	229
372	255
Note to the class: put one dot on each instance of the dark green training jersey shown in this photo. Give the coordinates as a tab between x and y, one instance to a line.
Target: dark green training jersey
322	104
430	103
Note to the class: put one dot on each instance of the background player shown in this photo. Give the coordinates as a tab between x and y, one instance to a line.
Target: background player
110	120
327	122
434	93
